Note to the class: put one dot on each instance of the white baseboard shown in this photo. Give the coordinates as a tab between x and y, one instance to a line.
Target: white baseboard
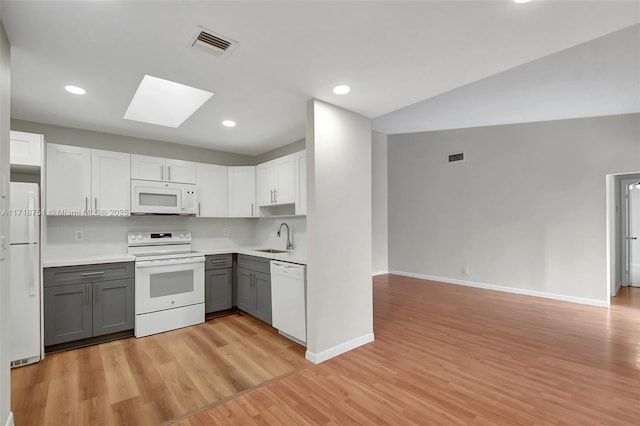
379	273
339	349
9	419
535	293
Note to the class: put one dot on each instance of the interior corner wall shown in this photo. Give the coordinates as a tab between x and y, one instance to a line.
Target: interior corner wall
525	209
379	213
339	291
5	116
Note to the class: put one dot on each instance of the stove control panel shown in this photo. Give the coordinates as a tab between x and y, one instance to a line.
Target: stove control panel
156	238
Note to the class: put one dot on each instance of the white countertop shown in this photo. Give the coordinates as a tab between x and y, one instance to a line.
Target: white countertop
52	261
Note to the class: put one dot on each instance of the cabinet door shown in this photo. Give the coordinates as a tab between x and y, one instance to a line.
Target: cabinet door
181	171
110	182
26	149
265	183
242	191
246	297
67	313
262	287
301	182
147	168
68	179
211	183
113	306
217	290
285	192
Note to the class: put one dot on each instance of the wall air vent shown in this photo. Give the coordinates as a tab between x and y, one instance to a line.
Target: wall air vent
456	157
212	42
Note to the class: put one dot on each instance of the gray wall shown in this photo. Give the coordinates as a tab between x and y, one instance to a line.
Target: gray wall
281	152
110	142
525	209
379	213
5	87
339	291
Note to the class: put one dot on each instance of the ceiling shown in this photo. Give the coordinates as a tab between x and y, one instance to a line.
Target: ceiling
393	55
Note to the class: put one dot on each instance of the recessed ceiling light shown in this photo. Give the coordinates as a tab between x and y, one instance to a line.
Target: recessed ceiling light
341	89
75	90
164	102
521	1
229	123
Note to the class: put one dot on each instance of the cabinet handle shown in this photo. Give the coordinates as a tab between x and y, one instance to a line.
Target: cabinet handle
86	203
86	293
90	274
271	199
168	172
198	208
252	209
162	172
275	195
96	203
97	292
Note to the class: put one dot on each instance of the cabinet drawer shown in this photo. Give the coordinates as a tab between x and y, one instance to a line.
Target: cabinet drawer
88	273
257	264
218	261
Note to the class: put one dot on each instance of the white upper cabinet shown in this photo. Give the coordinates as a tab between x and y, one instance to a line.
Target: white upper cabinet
212	188
110	182
81	180
68	179
155	168
26	149
301	182
242	191
275	181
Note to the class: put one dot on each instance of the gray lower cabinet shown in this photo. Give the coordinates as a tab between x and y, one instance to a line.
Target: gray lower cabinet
87	301
218	283
254	287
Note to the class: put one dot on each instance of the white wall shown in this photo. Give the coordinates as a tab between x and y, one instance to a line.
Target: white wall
5	377
379	214
339	291
525	209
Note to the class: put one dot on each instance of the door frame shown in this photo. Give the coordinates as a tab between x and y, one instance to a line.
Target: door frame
623	189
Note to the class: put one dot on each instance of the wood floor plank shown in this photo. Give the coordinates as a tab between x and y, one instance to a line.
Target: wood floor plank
447	354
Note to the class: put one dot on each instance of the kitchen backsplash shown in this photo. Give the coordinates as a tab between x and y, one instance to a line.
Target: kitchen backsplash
108	235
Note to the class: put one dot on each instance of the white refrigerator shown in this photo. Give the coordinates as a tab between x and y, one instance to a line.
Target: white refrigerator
25	337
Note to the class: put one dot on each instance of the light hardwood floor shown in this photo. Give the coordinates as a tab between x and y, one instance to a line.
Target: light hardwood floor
452	355
154	379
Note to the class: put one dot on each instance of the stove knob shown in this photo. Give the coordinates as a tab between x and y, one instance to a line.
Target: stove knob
181	235
186	235
139	236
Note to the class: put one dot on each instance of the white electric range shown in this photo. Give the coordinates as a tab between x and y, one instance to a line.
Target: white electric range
169	281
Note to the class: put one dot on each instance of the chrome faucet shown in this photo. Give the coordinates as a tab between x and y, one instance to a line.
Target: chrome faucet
289	245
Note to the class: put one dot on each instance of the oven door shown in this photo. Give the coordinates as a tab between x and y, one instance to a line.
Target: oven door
168	284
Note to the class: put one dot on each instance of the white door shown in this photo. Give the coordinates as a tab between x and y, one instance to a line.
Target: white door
25	222
242	191
285	192
147	168
26	149
68	179
211	182
181	171
110	182
24	303
265	183
633	237
301	182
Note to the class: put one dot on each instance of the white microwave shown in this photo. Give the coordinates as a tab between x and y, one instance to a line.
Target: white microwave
153	197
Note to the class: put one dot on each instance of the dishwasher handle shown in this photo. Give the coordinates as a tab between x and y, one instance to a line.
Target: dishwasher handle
288	269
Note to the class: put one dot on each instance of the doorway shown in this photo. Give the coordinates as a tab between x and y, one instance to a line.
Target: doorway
630	230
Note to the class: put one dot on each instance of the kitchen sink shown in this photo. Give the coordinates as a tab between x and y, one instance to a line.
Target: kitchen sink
272	251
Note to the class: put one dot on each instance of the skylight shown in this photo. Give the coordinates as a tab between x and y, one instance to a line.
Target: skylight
165	102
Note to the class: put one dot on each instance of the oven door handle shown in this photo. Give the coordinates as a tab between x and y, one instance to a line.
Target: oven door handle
150	263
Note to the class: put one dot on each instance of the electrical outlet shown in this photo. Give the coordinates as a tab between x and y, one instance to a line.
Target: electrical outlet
465	270
79	235
225	231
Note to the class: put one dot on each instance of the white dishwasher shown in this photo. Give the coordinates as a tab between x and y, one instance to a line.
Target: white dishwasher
288	300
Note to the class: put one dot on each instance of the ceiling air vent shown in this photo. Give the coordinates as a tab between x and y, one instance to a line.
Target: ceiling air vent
212	42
